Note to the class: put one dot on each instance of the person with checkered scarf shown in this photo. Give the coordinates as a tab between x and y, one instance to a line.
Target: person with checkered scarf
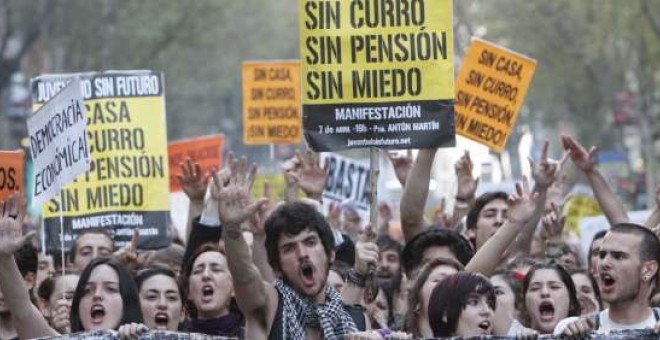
300	248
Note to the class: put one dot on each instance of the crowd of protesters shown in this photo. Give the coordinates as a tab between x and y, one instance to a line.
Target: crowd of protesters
261	268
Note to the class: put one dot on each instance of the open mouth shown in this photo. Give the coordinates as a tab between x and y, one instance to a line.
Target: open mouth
161	320
485	326
207	291
547	311
607	280
307	271
97	313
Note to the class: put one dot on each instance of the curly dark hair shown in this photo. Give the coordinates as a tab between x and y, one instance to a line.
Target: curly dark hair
291	219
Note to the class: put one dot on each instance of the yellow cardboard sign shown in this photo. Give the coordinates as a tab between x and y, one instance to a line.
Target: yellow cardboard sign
271	102
127	186
490	90
369	52
129	169
377	74
578	207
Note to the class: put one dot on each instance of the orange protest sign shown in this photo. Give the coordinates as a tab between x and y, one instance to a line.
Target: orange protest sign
271	102
490	90
206	150
12	165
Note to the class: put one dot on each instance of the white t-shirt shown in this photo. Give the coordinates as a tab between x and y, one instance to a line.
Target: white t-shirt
606	324
515	327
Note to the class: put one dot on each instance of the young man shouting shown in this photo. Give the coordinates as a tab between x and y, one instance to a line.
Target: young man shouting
299	245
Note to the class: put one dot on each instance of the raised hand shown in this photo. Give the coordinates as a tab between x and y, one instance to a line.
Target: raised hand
467	185
334	215
522	203
552	223
289	166
234	204
402	165
223	177
548	170
11	230
583	159
257	223
440	218
128	255
308	174
192	180
384	217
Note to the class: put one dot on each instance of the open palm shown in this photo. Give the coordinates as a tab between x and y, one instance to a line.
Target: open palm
522	203
234	203
308	174
11	231
467	185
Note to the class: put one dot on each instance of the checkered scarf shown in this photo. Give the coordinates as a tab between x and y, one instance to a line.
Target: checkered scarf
298	313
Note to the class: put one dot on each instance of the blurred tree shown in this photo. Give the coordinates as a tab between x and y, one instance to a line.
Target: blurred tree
199	44
588	53
20	27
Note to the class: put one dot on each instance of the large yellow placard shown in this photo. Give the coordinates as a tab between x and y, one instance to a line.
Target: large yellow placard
490	90
271	102
377	73
127	186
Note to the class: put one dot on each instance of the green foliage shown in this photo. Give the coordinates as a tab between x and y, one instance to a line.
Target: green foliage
588	51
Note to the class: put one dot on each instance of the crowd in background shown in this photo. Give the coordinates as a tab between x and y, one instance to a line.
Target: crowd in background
279	268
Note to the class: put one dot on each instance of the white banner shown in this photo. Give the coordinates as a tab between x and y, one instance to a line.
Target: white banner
347	183
58	139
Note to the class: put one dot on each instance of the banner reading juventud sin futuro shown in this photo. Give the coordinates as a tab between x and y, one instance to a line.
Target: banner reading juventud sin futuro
127	185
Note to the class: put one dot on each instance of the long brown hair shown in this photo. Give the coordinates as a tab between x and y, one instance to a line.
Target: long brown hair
414	305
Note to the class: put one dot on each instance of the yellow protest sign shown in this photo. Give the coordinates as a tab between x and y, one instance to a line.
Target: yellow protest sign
490	90
578	207
276	182
377	74
271	102
127	186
